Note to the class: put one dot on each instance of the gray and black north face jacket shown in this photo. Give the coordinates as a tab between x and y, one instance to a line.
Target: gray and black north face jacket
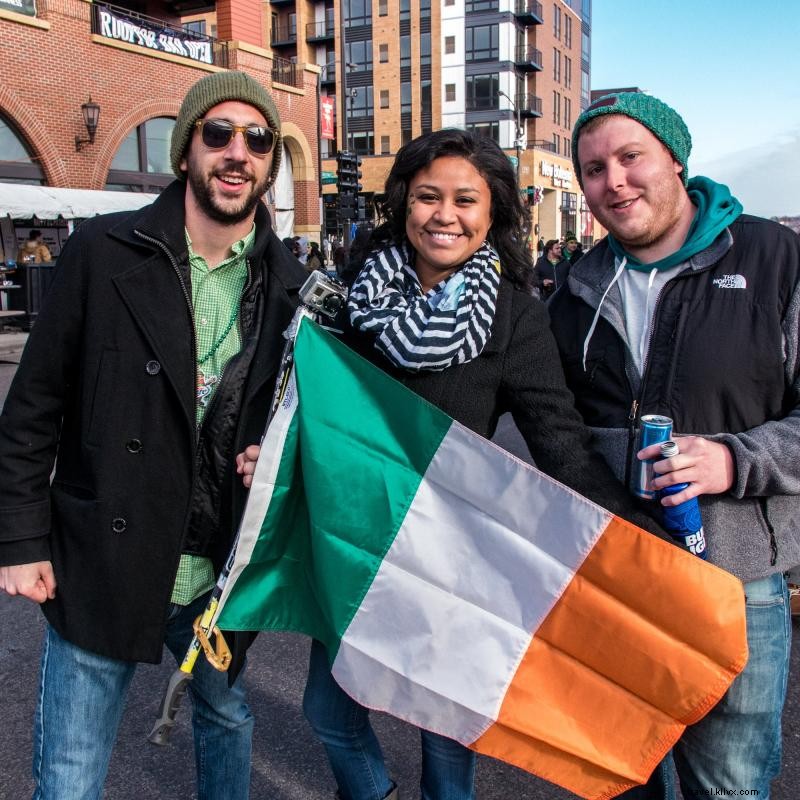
722	361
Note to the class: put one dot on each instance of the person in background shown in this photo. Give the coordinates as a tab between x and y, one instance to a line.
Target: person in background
302	249
551	269
691	309
315	259
33	250
442	303
152	363
572	250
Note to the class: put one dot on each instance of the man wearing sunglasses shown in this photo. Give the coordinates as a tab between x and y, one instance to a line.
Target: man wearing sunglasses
150	366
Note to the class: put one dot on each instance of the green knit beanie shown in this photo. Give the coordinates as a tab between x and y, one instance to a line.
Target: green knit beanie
662	121
217	88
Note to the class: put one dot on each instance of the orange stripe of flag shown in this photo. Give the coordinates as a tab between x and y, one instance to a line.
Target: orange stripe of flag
645	640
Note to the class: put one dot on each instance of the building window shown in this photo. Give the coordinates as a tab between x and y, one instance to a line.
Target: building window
17	164
449	45
489	129
478	6
557	21
141	164
556	140
405	136
569	212
361	103
425	49
556	65
405	51
385	148
585	47
567	112
449	2
360	55
363	142
383	53
585	91
568	72
384	98
359	12
405	9
405	98
383	8
196	26
482	92
567	147
449	93
568	31
426	104
556	108
482	43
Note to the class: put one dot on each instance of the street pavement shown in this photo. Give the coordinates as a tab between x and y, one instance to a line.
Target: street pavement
288	764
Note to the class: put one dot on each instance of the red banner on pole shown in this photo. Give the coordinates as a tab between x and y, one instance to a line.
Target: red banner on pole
326	118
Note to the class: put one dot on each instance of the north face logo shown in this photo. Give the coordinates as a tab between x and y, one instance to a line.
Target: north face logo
731	282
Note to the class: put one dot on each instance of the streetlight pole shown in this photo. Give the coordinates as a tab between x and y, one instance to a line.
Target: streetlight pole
518	136
343	106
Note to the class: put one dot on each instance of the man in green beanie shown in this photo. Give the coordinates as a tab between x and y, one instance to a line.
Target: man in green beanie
690	309
151	365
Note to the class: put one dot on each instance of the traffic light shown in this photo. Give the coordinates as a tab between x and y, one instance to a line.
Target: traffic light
347	172
347	206
362	208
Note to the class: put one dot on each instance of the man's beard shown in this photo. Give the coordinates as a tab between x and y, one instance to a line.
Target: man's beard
201	189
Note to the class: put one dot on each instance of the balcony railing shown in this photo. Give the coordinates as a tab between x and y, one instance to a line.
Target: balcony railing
156	34
528	58
320	31
529	12
286	72
529	105
283	35
328	74
544	144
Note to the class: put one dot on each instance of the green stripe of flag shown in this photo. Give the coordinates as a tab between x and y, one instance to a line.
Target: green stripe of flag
353	458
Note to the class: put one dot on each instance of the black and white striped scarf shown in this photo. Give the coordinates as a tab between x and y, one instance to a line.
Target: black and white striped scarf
449	325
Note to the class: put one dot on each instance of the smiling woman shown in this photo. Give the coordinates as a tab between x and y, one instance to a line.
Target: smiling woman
443	304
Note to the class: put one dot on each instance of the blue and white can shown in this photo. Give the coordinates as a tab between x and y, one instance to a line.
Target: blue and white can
653	429
683	522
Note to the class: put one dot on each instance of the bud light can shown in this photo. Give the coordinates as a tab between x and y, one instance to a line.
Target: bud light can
682	522
653	429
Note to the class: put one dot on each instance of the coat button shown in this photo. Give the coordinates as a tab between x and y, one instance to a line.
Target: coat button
152	367
118	525
133	446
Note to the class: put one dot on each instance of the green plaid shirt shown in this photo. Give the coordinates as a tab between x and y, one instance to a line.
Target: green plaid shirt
216	294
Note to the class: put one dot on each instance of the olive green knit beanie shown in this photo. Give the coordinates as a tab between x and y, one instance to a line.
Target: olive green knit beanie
217	88
662	121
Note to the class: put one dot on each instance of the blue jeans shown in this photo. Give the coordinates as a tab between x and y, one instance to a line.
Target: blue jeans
343	727
81	699
737	745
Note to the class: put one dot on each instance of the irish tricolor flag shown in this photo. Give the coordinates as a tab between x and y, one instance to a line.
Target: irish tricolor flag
460	589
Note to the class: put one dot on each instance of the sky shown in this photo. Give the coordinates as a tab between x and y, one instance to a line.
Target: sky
731	69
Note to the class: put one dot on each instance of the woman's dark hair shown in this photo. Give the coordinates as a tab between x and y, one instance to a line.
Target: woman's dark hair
509	230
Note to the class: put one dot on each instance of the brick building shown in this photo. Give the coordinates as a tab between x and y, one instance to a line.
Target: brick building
135	61
515	70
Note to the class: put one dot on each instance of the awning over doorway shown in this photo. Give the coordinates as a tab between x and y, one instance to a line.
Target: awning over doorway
21	201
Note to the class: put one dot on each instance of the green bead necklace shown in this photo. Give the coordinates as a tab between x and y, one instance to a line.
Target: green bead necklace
221	339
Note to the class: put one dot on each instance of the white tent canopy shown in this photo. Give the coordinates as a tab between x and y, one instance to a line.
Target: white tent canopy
21	201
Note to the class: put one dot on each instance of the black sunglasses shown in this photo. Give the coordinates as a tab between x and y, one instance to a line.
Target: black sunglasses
217	133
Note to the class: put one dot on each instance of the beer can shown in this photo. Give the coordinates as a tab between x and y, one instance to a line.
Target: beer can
683	522
653	429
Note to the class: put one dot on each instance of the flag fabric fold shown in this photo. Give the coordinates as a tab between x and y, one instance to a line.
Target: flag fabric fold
464	591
